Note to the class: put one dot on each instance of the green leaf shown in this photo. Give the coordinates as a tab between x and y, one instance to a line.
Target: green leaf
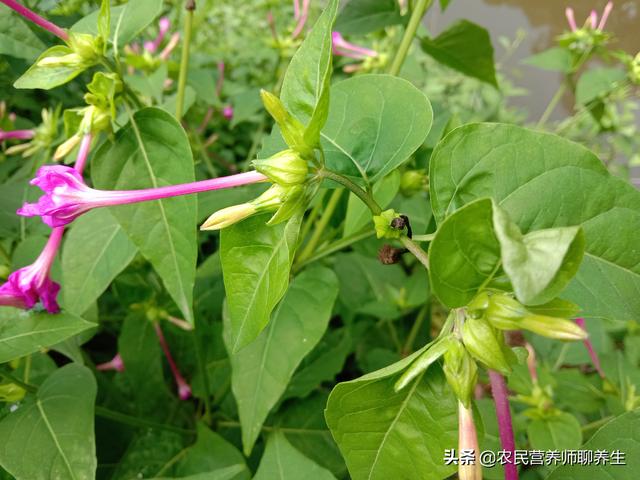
262	370
556	59
25	332
281	461
96	250
540	264
359	215
561	432
16	38
375	123
359	17
597	83
256	260
49	77
622	433
55	427
385	434
212	453
444	4
153	151
126	20
465	47
464	254
104	20
235	472
305	88
543	181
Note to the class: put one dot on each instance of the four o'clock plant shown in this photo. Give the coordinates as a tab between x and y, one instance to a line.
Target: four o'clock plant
499	258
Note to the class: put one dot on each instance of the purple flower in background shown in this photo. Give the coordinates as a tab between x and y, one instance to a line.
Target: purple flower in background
592	19
227	112
346	49
163	27
115	363
67	196
184	390
16	134
28	285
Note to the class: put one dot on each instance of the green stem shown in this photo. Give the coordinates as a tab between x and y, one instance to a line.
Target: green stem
322	224
367	198
596	424
136	421
423	238
332	248
418	252
416	17
552	105
315	211
415	328
203	373
13	379
190	6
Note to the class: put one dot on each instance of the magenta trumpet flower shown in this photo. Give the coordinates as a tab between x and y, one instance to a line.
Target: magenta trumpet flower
184	390
346	49
592	19
37	19
16	134
67	196
115	363
28	285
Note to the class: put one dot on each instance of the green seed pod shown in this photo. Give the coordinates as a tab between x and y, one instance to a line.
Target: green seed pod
505	313
551	327
284	168
461	371
420	364
485	344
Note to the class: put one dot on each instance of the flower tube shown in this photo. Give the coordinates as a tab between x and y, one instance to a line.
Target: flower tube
37	19
16	134
115	363
184	390
301	15
346	49
163	27
67	196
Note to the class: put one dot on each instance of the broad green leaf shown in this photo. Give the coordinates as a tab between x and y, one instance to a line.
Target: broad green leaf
126	20
153	151
465	47
540	264
375	123
281	461
305	88
262	370
96	250
212	453
24	332
234	472
623	434
16	38
465	254
385	434
597	83
47	77
51	435
256	260
543	181
359	17
556	59
561	432
359	215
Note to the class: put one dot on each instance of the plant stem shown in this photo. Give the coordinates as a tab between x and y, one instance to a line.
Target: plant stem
415	328
332	248
136	421
190	6
501	399
597	423
322	224
368	200
203	372
416	16
13	379
417	251
552	105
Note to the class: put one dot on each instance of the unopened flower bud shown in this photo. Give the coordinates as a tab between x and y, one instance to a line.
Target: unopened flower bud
552	327
483	342
290	127
420	364
504	312
10	393
461	371
412	182
284	168
228	216
88	47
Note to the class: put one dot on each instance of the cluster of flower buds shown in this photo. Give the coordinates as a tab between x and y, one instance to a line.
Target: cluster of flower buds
582	40
503	312
96	116
147	58
40	138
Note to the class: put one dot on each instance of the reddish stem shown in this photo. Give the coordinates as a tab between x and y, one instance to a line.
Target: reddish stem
501	399
184	391
592	352
37	19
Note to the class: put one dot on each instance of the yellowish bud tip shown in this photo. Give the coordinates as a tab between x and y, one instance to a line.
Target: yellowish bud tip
66	147
228	216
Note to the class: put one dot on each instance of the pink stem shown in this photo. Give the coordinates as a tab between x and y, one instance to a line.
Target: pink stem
16	134
37	19
123	197
272	25
302	20
571	19
296	9
592	353
605	15
83	153
593	19
183	387
501	399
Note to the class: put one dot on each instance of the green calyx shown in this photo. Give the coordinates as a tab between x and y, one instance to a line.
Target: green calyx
286	168
385	225
485	344
461	371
